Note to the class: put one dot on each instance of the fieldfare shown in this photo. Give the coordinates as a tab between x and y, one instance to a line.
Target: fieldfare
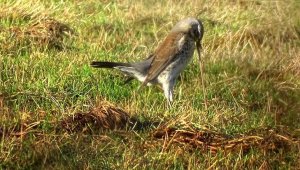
164	65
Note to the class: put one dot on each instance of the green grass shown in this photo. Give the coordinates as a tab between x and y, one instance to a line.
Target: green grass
251	68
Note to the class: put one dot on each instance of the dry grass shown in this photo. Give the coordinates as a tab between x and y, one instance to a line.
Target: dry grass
267	140
44	34
36	29
51	117
104	116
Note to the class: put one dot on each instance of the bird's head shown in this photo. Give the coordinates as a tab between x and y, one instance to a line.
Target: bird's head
192	27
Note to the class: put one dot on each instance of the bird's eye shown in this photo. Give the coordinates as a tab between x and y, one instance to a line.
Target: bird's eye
195	32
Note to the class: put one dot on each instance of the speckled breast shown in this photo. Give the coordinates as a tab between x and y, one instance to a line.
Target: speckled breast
180	61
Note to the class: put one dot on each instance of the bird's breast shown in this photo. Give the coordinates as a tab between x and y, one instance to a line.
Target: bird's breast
179	62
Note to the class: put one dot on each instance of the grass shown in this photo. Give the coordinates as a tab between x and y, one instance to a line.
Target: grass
252	81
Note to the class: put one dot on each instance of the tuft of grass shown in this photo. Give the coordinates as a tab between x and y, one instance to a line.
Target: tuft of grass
53	105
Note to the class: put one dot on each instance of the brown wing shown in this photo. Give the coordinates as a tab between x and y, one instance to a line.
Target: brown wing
163	56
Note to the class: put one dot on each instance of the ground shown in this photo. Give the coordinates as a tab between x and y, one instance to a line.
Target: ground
59	113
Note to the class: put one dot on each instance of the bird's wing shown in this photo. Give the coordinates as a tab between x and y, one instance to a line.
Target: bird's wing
163	56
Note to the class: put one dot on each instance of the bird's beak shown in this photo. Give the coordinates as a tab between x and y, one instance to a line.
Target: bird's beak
199	47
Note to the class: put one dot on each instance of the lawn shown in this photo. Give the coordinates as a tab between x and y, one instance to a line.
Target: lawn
57	112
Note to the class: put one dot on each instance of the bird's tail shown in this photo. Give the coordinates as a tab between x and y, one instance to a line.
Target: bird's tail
105	64
129	69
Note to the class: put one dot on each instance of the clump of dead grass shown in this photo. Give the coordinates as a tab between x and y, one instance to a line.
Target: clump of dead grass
104	116
46	33
266	139
28	25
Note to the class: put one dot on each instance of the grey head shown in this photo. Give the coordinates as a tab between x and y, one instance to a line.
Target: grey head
193	27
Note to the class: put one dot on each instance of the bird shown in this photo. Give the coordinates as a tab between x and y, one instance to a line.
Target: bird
168	60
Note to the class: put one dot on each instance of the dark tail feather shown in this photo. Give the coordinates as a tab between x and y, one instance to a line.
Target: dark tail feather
104	64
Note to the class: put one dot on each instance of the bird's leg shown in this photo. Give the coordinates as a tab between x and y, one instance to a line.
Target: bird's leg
168	88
